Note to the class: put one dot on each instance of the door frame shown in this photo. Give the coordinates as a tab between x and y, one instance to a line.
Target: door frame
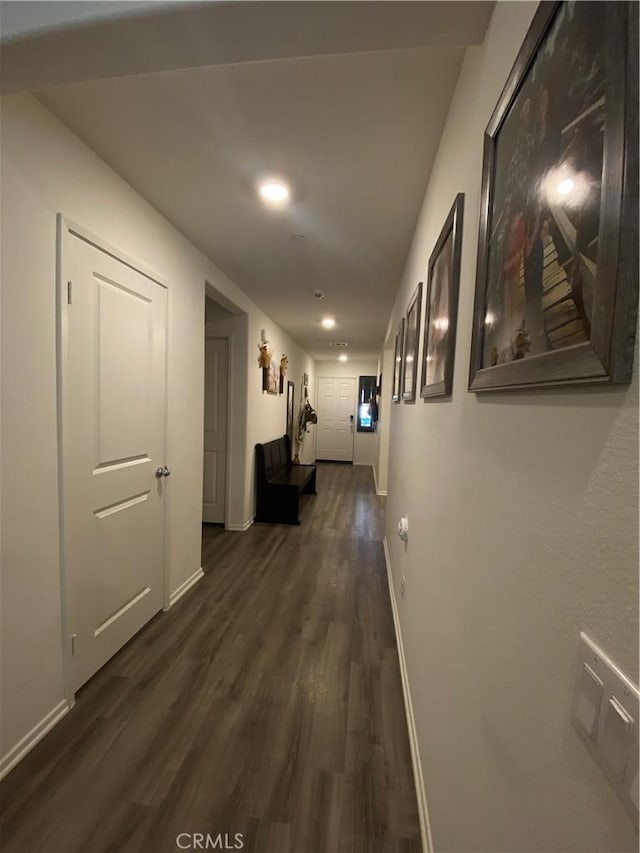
238	342
229	339
67	229
355	412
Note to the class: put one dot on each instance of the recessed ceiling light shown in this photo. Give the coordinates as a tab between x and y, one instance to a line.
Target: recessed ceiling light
274	191
343	357
566	186
328	322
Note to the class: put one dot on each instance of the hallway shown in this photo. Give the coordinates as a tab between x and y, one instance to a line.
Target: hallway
267	702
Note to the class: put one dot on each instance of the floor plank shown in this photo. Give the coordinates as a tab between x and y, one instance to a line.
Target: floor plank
267	702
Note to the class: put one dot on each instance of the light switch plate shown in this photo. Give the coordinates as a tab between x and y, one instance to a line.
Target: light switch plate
617	717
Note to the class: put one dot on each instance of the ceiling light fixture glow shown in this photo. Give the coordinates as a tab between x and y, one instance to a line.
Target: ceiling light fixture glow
566	186
343	358
274	191
328	323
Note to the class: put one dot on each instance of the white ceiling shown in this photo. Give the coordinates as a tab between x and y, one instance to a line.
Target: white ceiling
45	43
355	133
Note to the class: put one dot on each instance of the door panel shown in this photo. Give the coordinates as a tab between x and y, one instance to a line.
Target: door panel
215	430
336	407
114	408
124	330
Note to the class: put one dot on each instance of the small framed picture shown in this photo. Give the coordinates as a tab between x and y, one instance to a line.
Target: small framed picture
397	362
305	380
441	311
271	378
411	342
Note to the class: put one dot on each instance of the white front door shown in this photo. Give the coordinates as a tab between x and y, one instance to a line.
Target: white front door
215	429
336	413
113	370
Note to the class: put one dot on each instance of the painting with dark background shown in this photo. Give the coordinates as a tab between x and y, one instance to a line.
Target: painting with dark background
412	330
398	355
437	316
544	215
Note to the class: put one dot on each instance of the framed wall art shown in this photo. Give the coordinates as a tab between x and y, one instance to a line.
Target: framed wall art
397	362
271	378
441	311
290	411
557	275
411	343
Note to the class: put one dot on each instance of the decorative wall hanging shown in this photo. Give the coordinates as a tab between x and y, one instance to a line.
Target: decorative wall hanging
397	362
306	417
284	364
271	378
441	310
264	354
557	274
411	343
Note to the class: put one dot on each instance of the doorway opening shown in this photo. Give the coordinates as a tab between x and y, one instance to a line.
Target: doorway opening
216	413
225	504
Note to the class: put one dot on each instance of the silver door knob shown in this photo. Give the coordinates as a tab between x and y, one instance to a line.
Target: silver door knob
162	471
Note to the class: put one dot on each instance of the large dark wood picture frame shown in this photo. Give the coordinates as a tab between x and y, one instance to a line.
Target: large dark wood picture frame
291	389
398	355
411	346
572	92
441	309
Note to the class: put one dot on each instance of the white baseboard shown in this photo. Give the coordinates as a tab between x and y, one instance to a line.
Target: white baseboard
26	744
185	587
379	492
240	528
423	813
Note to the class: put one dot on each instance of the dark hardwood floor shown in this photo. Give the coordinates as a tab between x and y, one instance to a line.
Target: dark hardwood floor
267	702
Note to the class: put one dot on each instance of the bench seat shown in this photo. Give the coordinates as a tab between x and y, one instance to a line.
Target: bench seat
279	483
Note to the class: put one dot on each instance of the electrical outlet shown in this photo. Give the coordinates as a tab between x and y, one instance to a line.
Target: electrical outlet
403	585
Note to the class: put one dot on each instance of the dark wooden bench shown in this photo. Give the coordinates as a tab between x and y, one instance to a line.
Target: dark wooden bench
279	482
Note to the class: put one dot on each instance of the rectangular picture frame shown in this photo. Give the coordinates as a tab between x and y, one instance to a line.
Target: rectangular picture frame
606	353
398	354
291	390
441	307
271	378
411	346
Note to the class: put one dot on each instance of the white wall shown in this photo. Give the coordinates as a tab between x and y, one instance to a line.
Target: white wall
46	169
365	444
523	522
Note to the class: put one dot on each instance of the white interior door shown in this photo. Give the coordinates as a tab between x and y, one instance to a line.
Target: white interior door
113	349
336	413
215	429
